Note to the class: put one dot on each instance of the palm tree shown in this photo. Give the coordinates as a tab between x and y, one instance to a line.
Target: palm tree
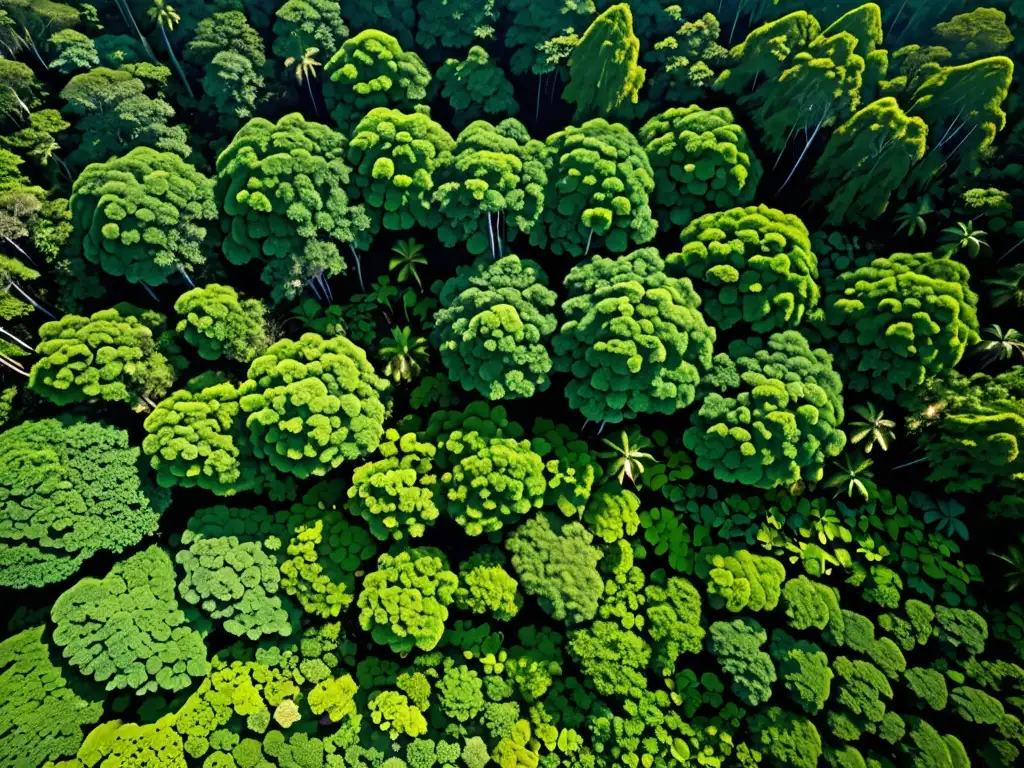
963	237
1015	559
627	454
166	18
856	475
873	427
1008	286
126	14
305	70
911	217
409	256
403	354
1000	344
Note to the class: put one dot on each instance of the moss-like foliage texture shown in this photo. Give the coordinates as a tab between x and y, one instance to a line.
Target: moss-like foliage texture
476	88
218	323
282	189
42	713
105	356
397	494
143	216
599	185
372	70
494	327
754	265
777	420
634	339
901	319
69	490
127	630
313	404
702	162
404	603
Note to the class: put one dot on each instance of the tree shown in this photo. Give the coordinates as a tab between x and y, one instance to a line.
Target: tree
197	438
856	476
702	161
496	171
760	261
603	70
453	24
489	481
18	92
219	324
821	86
306	65
258	177
130	744
962	237
487	589
1007	287
866	159
476	88
116	110
689	57
674	616
737	644
44	713
612	658
71	490
767	52
231	61
75	51
634	339
403	355
742	581
395	17
106	356
395	156
128	630
494	326
860	702
404	603
787	740
313	404
901	319
396	495
980	33
303	24
804	670
872	427
167	18
627	452
962	106
235	583
557	564
142	216
599	182
777	420
372	70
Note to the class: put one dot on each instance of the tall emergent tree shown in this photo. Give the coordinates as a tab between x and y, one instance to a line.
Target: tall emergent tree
281	188
634	339
603	69
599	183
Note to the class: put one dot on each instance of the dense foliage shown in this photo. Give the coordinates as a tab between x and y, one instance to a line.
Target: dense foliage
496	383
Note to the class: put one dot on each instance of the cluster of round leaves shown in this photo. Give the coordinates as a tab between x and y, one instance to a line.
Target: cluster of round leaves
599	185
777	419
127	630
901	319
106	356
143	216
702	162
69	490
755	265
494	326
634	339
219	324
404	603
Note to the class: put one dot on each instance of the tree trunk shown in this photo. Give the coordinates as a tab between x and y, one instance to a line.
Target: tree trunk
536	108
185	275
800	159
8	362
32	301
591	237
151	292
7	333
126	13
735	19
312	98
177	66
32	45
490	234
359	267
